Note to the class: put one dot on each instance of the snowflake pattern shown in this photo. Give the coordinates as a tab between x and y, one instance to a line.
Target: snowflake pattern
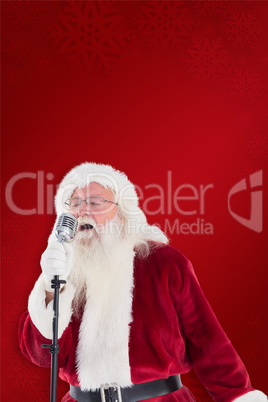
207	60
42	63
22	11
245	86
12	76
19	372
245	172
255	321
11	312
12	223
264	115
209	30
245	121
212	7
165	24
9	254
265	58
43	395
90	33
258	146
36	395
16	50
243	29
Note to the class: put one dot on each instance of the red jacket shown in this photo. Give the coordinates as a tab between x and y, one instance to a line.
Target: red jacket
173	330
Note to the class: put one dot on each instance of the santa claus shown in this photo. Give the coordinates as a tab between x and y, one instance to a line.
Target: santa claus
132	315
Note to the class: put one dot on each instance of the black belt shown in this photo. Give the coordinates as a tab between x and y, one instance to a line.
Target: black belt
113	392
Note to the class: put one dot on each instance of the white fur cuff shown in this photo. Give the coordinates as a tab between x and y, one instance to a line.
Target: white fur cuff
42	316
252	396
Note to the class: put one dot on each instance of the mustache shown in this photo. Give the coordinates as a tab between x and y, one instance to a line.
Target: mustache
88	227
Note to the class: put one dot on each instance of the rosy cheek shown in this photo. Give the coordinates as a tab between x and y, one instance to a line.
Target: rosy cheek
101	218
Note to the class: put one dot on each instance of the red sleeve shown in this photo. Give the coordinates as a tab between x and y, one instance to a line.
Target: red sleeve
30	341
215	360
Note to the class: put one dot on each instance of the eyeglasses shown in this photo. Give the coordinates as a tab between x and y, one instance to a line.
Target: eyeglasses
94	203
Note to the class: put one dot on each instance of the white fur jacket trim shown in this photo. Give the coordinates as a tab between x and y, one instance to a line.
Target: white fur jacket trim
102	352
42	316
252	396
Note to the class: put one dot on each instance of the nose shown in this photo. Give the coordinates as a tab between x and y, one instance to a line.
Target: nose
83	209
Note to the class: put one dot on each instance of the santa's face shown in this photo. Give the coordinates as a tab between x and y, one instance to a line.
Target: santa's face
99	249
86	213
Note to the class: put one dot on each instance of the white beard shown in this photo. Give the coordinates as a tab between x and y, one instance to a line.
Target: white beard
102	274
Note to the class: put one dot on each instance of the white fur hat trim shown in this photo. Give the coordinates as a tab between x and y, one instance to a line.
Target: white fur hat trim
81	175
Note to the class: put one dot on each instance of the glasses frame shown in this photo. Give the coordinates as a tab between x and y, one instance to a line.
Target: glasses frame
86	201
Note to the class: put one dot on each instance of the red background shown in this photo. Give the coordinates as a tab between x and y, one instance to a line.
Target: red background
148	87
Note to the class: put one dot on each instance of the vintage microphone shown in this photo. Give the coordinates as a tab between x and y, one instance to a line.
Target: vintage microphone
65	231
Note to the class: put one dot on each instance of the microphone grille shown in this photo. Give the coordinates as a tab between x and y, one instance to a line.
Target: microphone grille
66	227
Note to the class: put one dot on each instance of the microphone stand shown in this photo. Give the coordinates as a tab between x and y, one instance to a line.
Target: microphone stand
65	231
54	347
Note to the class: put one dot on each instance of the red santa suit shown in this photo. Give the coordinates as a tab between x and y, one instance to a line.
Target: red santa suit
173	329
144	319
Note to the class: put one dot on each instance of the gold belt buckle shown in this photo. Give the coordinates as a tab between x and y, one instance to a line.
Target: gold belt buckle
115	388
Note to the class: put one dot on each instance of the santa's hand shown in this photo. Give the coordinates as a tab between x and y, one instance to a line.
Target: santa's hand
54	262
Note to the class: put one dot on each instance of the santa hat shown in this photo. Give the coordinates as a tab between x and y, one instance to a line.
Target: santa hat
124	194
81	175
